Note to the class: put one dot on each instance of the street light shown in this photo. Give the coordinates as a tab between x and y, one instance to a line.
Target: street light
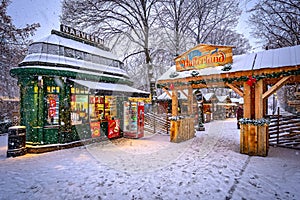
199	98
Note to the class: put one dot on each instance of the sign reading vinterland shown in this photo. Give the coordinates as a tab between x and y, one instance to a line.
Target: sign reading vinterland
203	56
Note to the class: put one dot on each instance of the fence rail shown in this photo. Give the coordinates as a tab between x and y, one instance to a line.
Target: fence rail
155	123
284	131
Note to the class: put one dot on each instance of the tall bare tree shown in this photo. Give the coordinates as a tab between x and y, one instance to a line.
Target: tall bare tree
173	24
230	37
185	23
276	22
211	15
114	20
13	46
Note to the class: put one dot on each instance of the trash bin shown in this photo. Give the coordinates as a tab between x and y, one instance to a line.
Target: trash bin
16	141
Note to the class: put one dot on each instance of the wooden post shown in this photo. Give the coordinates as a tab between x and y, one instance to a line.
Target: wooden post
247	101
254	139
265	101
261	133
259	100
174	124
190	101
244	143
174	102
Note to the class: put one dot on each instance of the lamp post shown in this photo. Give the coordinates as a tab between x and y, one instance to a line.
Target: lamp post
153	101
199	98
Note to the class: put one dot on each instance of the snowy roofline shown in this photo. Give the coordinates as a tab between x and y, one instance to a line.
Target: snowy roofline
72	70
273	58
59	40
56	59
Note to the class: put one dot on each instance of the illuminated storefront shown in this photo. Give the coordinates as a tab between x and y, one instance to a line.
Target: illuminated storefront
72	88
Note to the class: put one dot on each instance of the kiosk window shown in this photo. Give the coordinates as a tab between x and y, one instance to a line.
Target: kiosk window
35	48
69	52
53	109
53	49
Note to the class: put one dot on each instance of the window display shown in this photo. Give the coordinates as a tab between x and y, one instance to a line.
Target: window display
110	108
96	108
79	105
53	109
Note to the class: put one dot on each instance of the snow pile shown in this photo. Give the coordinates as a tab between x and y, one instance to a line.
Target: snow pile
207	167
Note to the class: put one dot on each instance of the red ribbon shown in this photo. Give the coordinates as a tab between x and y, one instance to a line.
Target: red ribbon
251	81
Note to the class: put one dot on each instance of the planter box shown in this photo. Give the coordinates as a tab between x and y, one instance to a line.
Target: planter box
254	140
182	130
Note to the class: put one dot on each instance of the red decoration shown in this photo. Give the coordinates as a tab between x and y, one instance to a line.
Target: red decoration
171	86
52	112
251	81
52	103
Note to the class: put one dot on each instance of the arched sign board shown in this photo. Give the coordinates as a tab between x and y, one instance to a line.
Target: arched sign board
203	56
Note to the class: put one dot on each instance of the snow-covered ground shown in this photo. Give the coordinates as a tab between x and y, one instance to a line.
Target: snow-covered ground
208	166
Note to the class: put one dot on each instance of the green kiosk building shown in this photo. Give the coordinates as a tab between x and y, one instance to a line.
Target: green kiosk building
72	88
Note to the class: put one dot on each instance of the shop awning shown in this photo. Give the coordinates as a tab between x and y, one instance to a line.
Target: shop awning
111	89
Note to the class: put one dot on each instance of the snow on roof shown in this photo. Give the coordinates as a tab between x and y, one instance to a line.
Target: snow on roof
58	40
56	59
164	95
109	87
273	58
235	100
208	96
223	98
71	70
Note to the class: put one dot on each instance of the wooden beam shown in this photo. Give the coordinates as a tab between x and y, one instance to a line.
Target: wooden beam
247	101
259	103
167	92
237	90
174	103
265	101
190	101
275	87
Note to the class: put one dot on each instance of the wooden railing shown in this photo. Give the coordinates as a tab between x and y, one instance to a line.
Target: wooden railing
284	131
157	123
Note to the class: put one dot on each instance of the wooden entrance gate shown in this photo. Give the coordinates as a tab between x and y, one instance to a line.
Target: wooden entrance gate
284	131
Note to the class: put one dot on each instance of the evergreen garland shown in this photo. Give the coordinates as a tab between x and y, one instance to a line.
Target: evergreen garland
255	122
176	118
227	67
233	79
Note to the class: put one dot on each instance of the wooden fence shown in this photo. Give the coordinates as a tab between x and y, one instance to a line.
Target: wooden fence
284	131
155	123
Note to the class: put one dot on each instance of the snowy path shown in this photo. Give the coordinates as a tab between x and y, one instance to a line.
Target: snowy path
207	167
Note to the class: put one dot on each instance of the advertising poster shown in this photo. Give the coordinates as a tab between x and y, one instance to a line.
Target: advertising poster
95	129
113	128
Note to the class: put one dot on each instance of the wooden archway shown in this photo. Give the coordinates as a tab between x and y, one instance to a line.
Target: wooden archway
251	84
